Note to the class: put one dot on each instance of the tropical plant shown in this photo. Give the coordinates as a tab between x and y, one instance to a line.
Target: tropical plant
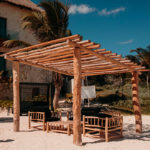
143	58
49	24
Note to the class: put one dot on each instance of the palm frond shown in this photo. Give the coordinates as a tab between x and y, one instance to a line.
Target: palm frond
50	24
15	43
143	55
36	22
57	17
68	33
133	59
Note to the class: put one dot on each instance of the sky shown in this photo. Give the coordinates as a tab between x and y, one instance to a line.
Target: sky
118	25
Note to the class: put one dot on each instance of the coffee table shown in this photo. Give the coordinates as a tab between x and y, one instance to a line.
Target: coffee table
60	126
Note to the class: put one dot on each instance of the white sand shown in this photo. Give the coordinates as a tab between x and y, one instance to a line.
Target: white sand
38	140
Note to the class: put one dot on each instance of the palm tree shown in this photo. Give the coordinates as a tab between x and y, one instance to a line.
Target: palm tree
143	58
49	24
133	59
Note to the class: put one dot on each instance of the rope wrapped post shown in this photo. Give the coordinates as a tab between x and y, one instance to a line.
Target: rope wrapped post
136	103
16	99
77	140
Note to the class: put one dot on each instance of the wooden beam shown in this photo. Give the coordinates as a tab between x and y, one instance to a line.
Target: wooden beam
43	53
105	72
16	100
44	49
71	59
47	50
56	55
83	60
77	139
38	50
66	55
40	66
136	103
101	56
49	54
45	44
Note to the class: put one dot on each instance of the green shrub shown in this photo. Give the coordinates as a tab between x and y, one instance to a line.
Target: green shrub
121	96
6	103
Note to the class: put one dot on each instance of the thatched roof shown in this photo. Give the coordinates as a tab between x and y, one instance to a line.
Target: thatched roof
24	3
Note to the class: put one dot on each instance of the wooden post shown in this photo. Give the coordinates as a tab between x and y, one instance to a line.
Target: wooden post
44	124
29	122
106	130
16	98
136	103
83	125
77	140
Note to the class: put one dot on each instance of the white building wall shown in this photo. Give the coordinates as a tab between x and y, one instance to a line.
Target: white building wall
13	14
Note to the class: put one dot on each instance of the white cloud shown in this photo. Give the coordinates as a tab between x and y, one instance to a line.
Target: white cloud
81	9
126	42
105	12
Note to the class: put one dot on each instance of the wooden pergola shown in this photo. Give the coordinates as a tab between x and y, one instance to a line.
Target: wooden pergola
74	57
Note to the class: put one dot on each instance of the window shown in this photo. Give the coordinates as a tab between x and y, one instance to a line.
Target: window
2	63
3	32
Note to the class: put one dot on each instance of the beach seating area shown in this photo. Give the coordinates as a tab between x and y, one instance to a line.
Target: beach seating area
37	139
103	125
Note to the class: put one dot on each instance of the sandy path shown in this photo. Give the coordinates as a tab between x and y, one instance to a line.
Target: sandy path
38	140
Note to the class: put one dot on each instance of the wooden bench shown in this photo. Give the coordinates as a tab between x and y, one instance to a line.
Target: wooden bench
41	119
106	128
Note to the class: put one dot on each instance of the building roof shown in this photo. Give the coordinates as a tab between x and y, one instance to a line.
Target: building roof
24	3
58	56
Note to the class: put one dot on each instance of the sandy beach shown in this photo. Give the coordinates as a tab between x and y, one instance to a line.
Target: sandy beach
32	139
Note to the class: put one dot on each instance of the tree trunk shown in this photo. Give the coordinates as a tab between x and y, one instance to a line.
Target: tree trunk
58	82
56	97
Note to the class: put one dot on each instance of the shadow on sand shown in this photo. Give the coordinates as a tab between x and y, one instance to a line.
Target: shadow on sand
128	134
8	140
28	130
6	119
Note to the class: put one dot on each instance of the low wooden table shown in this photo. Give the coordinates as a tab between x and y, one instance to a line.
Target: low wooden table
60	126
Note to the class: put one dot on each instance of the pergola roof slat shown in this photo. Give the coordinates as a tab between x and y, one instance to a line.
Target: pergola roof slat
58	55
45	49
45	44
99	55
64	54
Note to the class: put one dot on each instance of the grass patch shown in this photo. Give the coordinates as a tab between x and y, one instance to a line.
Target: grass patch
120	98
